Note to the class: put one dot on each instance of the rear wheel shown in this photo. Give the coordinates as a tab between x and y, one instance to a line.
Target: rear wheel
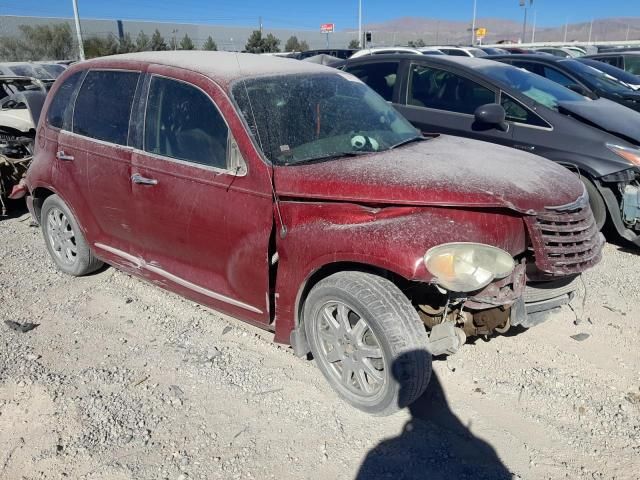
368	341
596	202
64	240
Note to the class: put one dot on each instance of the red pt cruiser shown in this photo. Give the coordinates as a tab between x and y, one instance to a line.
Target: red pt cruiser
292	196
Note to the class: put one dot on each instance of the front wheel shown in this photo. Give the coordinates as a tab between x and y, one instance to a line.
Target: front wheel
596	202
368	341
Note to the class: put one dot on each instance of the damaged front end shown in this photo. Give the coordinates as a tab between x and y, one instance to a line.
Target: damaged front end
564	242
21	102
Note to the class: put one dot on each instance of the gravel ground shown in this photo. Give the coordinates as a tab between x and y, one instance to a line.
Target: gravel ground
122	380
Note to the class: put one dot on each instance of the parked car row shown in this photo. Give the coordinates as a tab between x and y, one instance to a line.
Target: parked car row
293	196
487	100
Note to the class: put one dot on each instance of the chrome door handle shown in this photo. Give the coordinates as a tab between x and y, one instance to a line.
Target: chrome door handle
140	180
60	155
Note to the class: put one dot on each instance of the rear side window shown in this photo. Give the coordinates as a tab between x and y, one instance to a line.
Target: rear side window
615	61
442	90
381	77
103	106
532	67
183	123
61	102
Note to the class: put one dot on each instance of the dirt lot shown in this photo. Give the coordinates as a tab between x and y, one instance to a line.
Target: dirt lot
122	380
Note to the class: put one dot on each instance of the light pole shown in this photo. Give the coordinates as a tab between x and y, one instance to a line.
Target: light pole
473	24
78	31
535	19
523	3
360	23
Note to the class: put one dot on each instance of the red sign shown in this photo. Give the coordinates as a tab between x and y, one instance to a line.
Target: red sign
327	28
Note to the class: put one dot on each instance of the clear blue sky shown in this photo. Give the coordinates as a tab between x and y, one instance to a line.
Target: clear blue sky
310	14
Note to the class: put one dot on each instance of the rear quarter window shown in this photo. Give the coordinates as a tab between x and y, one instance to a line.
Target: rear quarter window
103	107
61	103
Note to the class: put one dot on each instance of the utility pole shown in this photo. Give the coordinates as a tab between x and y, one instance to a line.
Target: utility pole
78	31
523	3
628	28
360	23
473	24
590	30
533	33
566	28
260	24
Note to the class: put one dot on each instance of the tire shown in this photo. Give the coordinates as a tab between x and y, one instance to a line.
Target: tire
596	202
368	341
64	239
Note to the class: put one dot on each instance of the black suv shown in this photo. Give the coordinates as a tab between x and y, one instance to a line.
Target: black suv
471	97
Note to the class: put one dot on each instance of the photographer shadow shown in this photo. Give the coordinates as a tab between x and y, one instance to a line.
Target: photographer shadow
433	445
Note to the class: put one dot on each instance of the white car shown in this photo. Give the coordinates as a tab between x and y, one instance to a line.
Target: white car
385	50
462	51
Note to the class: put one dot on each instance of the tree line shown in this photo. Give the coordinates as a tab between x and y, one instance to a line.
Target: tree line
56	42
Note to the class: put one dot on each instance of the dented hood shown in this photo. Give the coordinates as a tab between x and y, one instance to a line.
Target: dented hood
443	171
606	115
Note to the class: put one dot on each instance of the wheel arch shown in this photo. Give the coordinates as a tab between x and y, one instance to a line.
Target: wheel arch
298	335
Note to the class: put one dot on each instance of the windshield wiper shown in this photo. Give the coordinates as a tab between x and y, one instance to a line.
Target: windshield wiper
417	138
330	156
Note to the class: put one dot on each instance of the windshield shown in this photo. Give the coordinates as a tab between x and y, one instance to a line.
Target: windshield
303	117
543	91
616	72
476	52
53	69
35	71
597	79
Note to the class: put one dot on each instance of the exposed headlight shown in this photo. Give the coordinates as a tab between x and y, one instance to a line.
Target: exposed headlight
630	154
467	267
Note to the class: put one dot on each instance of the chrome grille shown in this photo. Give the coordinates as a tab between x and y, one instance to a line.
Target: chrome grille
566	239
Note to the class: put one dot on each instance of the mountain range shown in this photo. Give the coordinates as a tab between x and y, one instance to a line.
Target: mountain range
432	31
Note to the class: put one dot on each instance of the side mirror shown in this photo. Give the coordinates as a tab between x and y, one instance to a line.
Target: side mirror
492	115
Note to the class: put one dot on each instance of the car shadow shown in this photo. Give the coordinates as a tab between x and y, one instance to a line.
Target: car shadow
434	444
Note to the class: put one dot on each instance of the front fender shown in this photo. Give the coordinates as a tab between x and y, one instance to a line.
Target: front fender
390	238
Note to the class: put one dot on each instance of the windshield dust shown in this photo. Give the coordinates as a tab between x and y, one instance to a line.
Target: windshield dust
302	118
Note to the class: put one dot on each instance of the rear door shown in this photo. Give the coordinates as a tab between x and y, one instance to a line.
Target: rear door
204	227
437	100
96	159
65	174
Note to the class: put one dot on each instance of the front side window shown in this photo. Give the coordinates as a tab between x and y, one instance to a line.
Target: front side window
299	118
182	122
442	90
103	106
61	102
555	76
382	77
518	113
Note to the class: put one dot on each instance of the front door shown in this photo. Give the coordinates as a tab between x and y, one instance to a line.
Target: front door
441	101
204	226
